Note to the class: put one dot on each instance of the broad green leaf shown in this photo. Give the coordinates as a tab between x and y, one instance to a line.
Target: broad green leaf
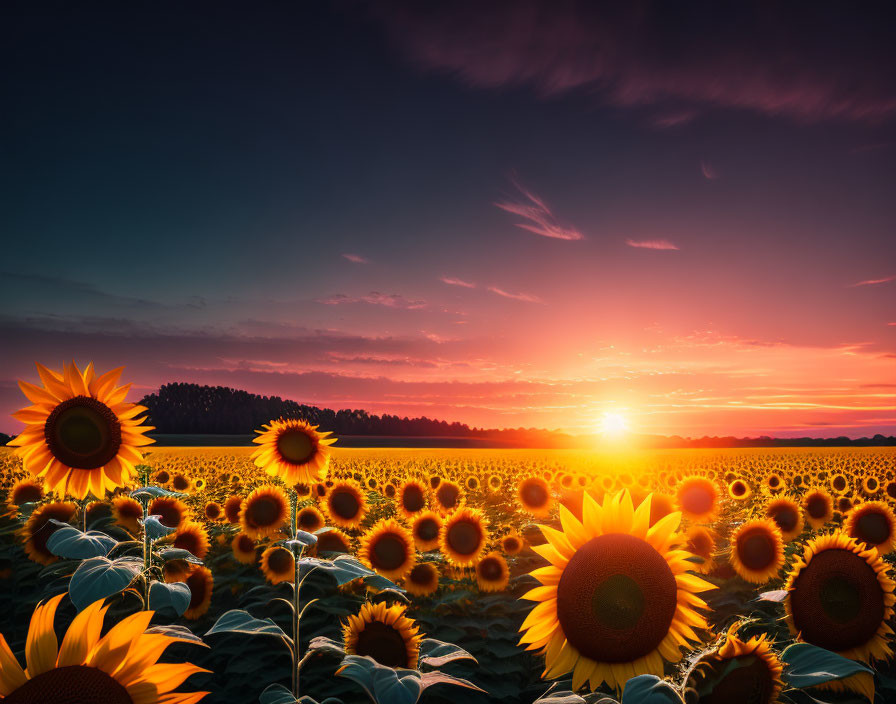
174	596
155	529
436	677
384	685
649	689
808	665
239	621
435	653
179	554
70	543
98	577
328	646
276	694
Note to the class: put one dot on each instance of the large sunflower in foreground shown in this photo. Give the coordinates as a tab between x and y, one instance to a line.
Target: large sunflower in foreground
80	434
119	668
293	450
616	600
840	598
383	633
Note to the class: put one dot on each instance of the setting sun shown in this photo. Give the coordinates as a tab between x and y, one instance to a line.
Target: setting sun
612	425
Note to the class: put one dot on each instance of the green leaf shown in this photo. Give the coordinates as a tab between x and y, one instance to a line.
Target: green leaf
383	684
239	621
436	677
563	696
343	568
155	529
98	577
176	631
808	665
649	689
276	694
179	554
70	543
174	596
435	653
147	493
326	646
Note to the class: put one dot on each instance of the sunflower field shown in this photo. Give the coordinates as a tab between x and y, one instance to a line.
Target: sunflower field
139	575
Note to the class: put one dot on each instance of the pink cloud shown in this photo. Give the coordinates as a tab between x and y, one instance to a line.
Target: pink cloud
451	281
374	298
764	58
708	171
651	244
874	282
355	258
541	220
525	297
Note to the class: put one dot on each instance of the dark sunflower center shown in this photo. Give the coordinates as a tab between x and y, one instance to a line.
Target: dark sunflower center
384	644
837	601
331	542
232	509
344	504
83	433
891	490
421	574
839	482
873	527
180	482
26	494
534	494
412	498
245	543
696	500
511	544
616	599
188	542
773	481
817	506
76	684
309	520
490	569
448	495
263	511
700	544
169	513
295	447
871	484
464	537
281	561
212	510
750	683
163	477
786	518
198	586
427	529
738	488
756	550
389	552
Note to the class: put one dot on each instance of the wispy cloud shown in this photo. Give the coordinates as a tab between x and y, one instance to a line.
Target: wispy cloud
651	244
452	281
526	297
355	258
874	282
541	220
375	298
708	171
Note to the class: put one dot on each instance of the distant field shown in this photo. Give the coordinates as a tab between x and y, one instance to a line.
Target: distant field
344	441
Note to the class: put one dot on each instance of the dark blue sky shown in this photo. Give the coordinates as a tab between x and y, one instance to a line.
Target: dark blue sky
188	178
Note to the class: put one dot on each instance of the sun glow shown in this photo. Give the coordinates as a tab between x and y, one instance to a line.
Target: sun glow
612	425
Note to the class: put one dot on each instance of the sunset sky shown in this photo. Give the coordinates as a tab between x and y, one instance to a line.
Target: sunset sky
505	214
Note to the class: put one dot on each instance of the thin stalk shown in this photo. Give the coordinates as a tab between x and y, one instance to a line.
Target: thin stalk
83	504
296	554
147	558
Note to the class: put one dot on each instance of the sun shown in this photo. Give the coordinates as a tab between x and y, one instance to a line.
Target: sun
612	425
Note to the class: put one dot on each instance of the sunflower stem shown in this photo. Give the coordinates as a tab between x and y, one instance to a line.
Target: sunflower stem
296	611
147	554
83	505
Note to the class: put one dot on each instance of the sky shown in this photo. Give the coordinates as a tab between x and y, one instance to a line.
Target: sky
509	214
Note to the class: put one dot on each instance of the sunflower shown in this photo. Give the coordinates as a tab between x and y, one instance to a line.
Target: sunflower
181	482
388	548
471	483
890	489
119	668
302	490
345	504
278	565
232	507
38	529
422	580
840	598
411	498
701	542
333	540
874	524
171	511
448	496
213	511
243	548
839	484
512	543
80	435
534	496
494	482
426	528
698	499
738	671
617	599
463	536
389	490
264	511
492	574
739	490
757	550
819	507
871	486
383	633
25	491
192	537
96	510
127	513
162	477
786	514
309	519
200	582
774	483
293	450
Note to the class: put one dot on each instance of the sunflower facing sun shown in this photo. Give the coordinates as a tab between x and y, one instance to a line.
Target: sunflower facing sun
80	434
617	599
120	667
293	450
